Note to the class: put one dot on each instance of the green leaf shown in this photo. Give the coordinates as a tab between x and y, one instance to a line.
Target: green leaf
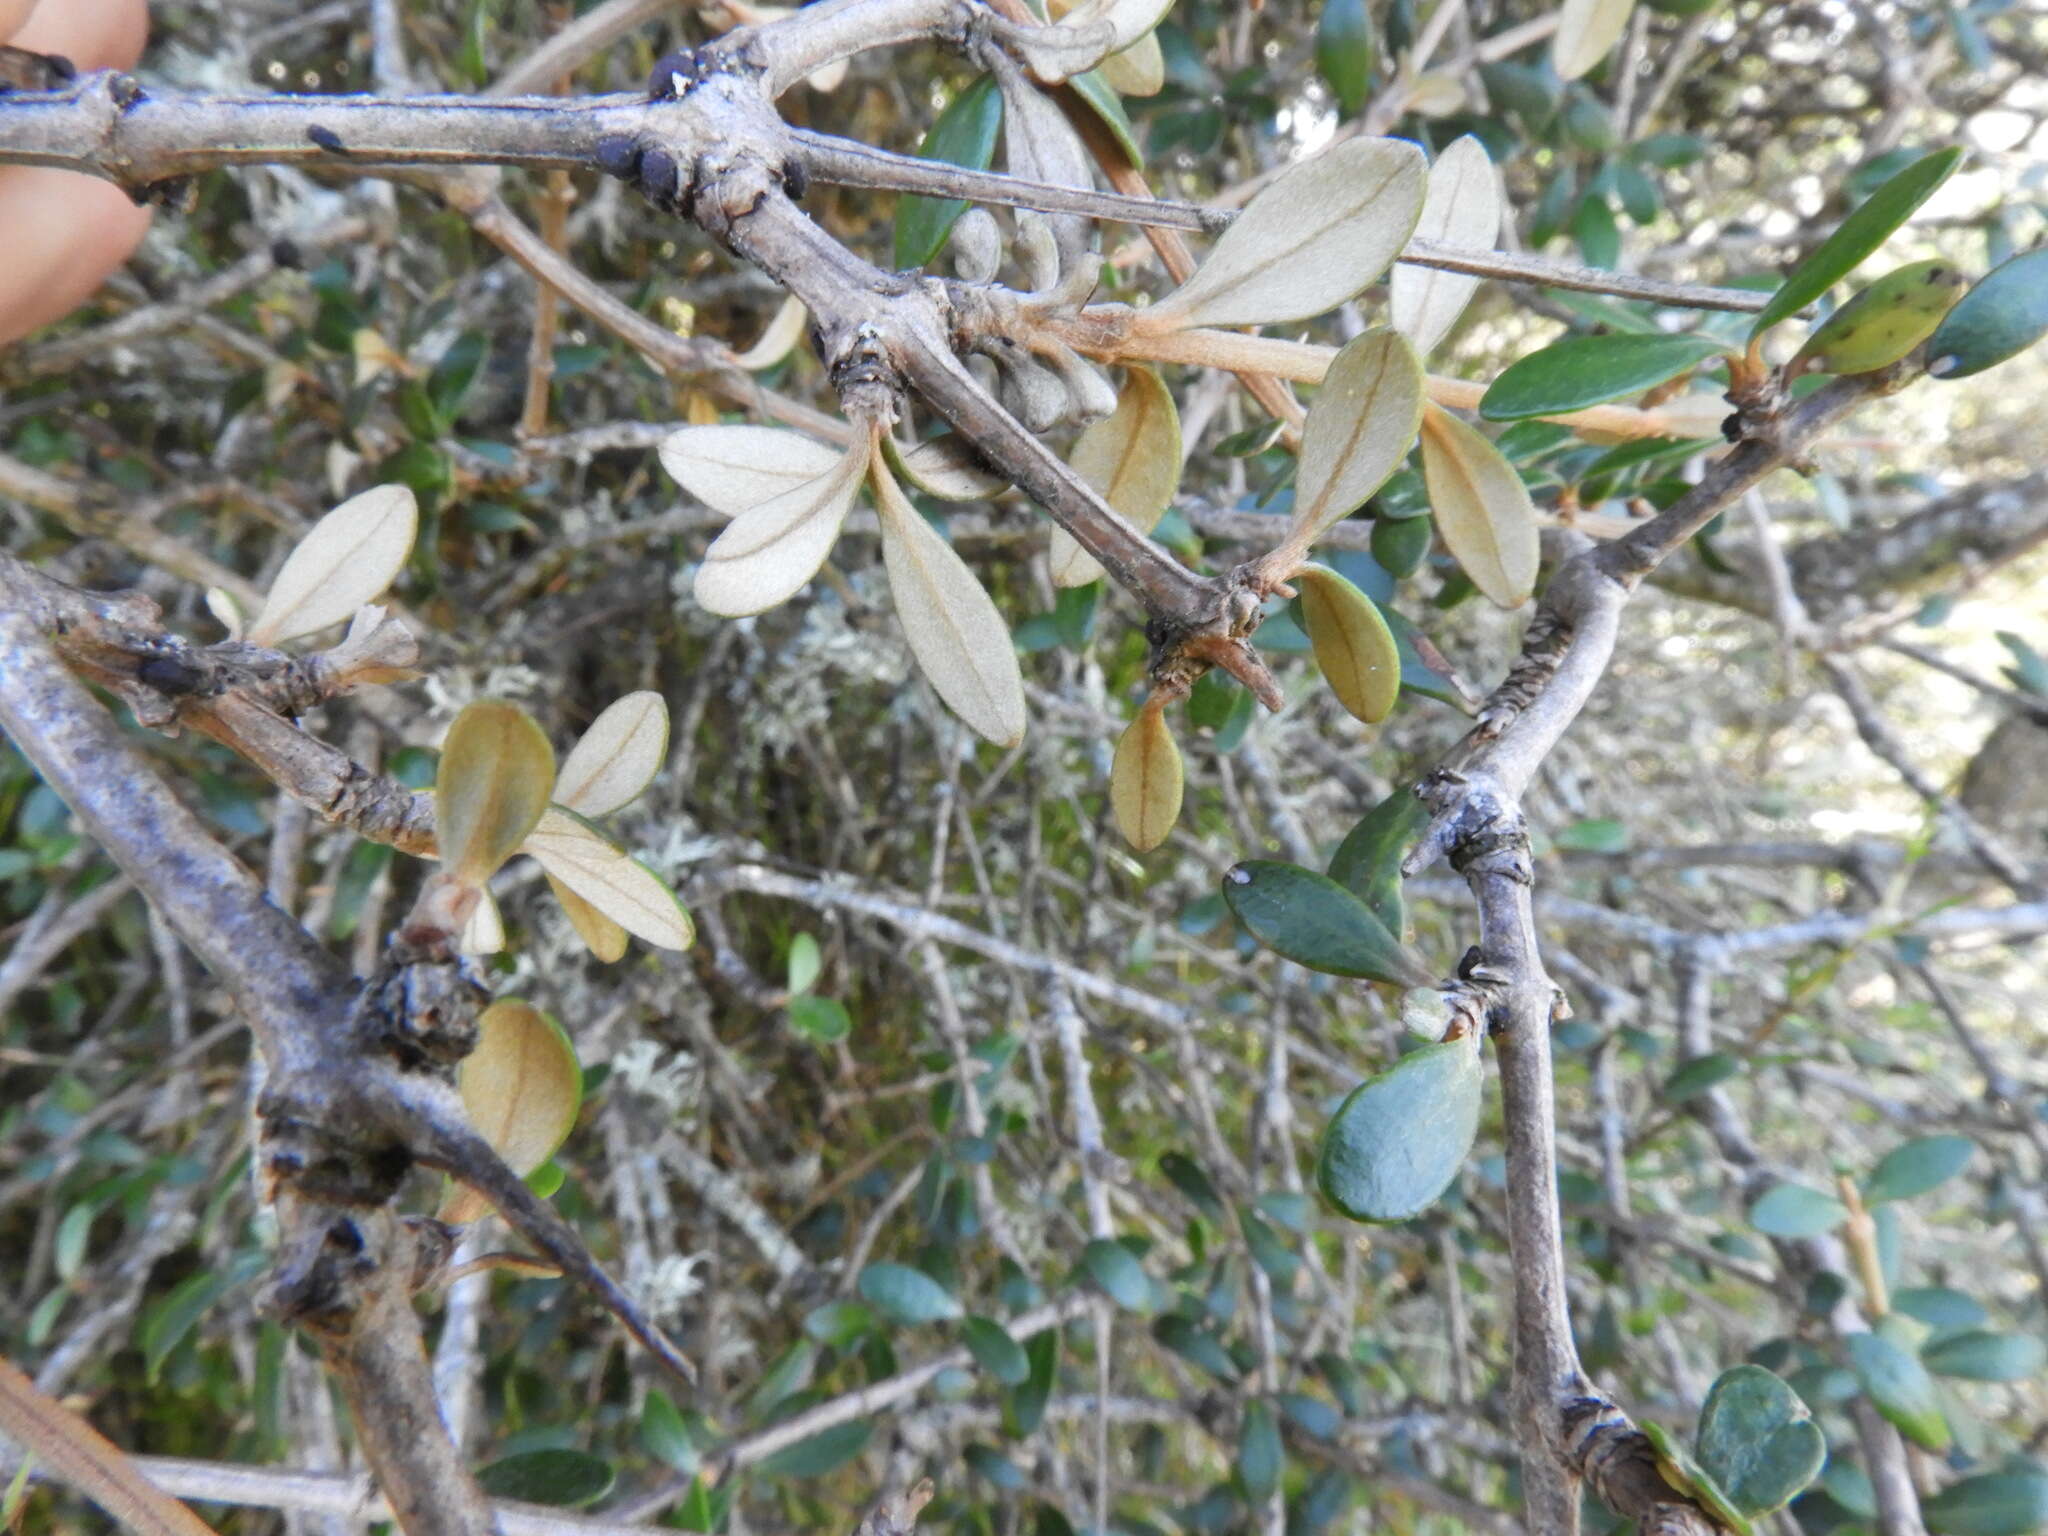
1884	321
1122	1278
826	1451
1104	102
1758	1440
907	1295
1981	1355
805	962
823	1019
1676	1466
665	1434
1596	834
564	1478
1900	1387
1579	371
1940	1307
1259	1454
1997	1504
1861	233
1344	52
963	134
1187	1177
167	1322
1695	1077
1024	1406
995	1351
1312	919
1368	862
1918	1166
1793	1210
1198	1345
1396	1143
2006	313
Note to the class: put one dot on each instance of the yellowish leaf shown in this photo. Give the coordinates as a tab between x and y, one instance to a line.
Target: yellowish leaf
1140	70
1129	20
768	552
346	559
1353	646
1359	429
735	469
495	776
1323	230
620	887
1482	509
484	933
1146	779
1133	458
375	357
1586	31
617	757
779	339
949	621
600	935
1462	208
522	1085
220	602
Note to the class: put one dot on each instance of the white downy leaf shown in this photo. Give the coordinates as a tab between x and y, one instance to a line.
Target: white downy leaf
1129	20
1322	231
771	550
950	622
1133	458
484	933
1481	507
617	757
946	467
734	469
220	602
1140	70
1461	208
347	558
620	887
1586	30
781	337
1359	429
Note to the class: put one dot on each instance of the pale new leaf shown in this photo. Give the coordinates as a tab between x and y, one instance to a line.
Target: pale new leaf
1359	429
620	887
769	551
1462	208
734	469
617	757
1586	30
1482	508
495	775
346	559
522	1085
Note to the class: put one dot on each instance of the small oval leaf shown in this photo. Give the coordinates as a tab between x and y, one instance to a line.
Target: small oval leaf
1996	1504
1345	49
949	620
1397	1142
946	467
1146	780
1312	920
565	1478
2006	313
1325	228
907	1295
1587	31
1793	1210
1368	862
617	757
1359	429
1981	1355
1483	511
1462	208
617	885
1884	322
735	469
345	560
995	1351
1132	456
495	775
1898	1384
1116	1270
768	552
1917	1166
605	939
1758	1440
1353	646
521	1086
1579	371
1861	233
963	134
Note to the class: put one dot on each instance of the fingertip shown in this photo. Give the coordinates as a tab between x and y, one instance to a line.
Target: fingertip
66	232
92	34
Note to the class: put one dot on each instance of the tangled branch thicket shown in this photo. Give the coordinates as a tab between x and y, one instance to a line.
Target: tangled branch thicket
964	1171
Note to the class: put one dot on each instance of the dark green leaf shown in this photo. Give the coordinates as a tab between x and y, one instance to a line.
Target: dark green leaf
1368	862
167	1322
992	1464
1580	371
826	1451
1980	1355
1344	52
1758	1440
1698	1075
907	1295
1861	233
564	1478
823	1019
1998	1504
1598	235
1939	1307
1793	1210
1103	100
1258	1451
1312	919
666	1434
1024	1406
2006	313
1600	834
1397	1142
1401	544
1195	1344
1918	1166
995	1351
963	134
1187	1177
1900	1387
1121	1277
